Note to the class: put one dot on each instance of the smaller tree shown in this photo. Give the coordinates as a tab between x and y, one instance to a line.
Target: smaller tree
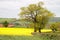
54	27
5	24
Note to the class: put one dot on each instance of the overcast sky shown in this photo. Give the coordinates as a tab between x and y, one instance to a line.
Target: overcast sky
11	8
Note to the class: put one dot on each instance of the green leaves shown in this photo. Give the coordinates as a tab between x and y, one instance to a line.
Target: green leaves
5	24
36	14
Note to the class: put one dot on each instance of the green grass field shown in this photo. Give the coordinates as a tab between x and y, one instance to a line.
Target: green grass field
37	37
5	37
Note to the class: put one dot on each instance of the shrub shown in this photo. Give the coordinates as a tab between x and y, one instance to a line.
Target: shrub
5	24
53	27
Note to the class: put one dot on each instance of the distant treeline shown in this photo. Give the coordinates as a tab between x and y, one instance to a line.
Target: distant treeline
7	19
55	19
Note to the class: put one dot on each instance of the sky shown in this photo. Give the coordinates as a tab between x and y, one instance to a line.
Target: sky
11	8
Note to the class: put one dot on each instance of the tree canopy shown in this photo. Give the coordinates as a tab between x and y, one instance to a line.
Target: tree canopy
37	14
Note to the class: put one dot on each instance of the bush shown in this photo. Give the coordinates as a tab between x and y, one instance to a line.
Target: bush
48	36
5	24
54	27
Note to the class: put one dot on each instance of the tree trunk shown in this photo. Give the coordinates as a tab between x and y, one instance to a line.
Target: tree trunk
35	29
39	30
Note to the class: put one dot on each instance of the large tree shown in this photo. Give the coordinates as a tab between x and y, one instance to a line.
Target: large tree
37	14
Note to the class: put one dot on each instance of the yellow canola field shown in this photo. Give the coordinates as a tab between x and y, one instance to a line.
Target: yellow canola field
19	31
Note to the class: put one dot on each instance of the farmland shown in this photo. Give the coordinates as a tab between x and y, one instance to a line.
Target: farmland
25	34
19	31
